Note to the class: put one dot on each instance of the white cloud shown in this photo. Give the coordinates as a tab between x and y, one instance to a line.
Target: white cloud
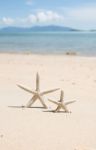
7	21
44	17
40	17
31	19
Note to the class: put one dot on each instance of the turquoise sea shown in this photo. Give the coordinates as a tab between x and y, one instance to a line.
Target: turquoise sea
83	43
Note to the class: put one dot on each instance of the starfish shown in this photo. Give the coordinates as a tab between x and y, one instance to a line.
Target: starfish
61	104
36	93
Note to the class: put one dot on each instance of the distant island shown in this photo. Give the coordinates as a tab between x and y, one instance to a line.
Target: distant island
50	28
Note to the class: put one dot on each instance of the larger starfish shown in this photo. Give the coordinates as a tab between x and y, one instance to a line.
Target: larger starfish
37	94
61	104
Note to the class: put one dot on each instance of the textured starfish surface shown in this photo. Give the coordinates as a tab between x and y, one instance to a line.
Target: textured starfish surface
61	104
37	95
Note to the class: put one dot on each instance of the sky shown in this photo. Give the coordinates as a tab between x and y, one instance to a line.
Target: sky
80	14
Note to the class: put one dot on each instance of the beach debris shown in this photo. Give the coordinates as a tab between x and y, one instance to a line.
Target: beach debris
37	95
61	104
71	53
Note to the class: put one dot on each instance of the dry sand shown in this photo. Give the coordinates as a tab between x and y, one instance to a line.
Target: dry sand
37	128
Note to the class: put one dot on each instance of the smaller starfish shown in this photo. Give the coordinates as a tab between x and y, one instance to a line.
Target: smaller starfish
61	103
36	93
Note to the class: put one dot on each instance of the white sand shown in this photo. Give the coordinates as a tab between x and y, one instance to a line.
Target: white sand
35	128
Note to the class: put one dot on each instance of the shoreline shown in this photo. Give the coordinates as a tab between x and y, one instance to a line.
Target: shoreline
70	54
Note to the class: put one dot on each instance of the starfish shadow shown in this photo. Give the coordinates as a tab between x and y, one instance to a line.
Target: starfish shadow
25	107
16	106
52	111
38	107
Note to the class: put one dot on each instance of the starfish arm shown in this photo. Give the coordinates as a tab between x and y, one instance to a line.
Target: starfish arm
37	82
31	101
61	96
57	109
50	91
42	102
53	102
66	103
25	89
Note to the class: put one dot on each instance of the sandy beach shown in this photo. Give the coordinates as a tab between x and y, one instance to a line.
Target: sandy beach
38	128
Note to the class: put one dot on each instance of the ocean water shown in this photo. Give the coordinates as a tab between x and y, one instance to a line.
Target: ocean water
82	43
